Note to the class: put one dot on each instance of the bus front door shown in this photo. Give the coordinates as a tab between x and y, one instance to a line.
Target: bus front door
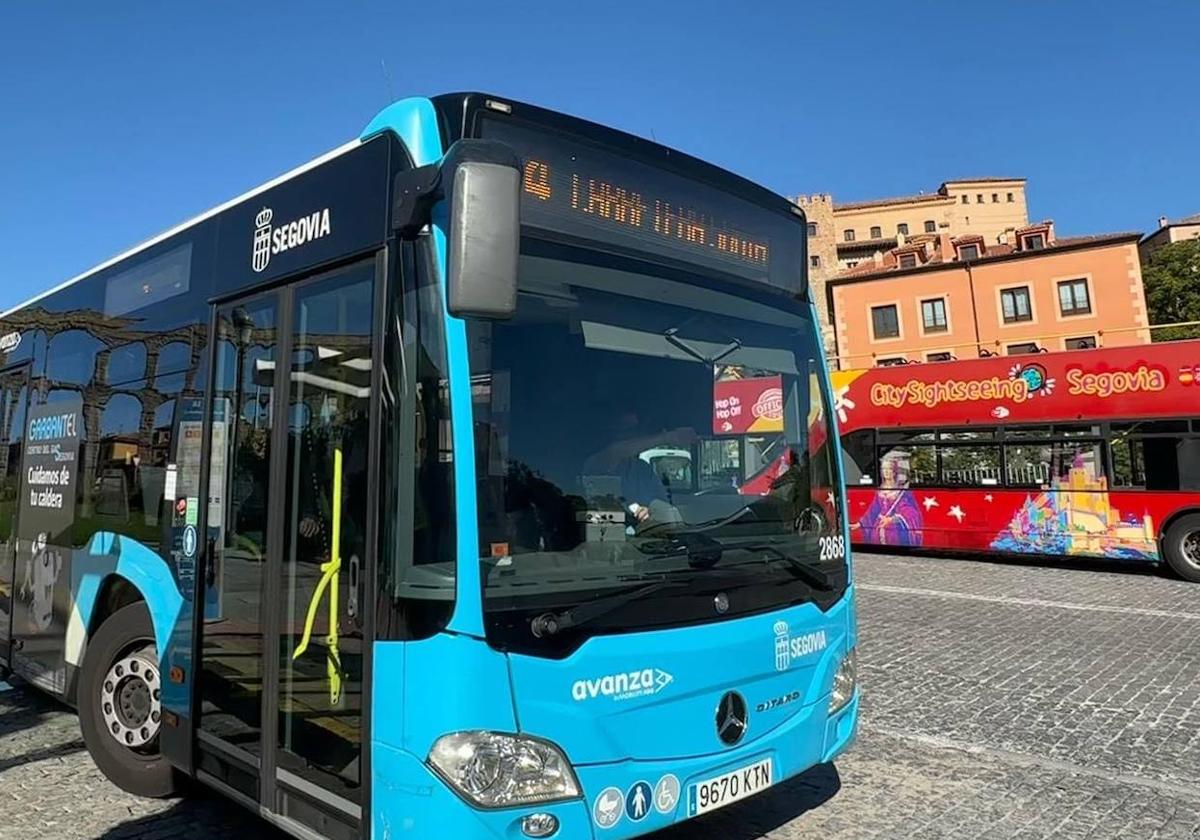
284	632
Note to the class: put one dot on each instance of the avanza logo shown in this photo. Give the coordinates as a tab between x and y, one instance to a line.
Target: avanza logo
270	240
623	686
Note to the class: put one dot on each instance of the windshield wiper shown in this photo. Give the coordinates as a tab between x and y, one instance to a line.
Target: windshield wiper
551	623
813	576
689	528
703	552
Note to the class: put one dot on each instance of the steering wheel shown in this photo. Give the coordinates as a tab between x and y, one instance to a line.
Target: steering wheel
811	520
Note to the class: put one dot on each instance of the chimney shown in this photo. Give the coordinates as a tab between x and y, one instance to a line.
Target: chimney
877	258
945	246
1162	221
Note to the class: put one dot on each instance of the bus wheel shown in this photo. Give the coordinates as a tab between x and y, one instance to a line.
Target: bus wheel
1182	547
120	707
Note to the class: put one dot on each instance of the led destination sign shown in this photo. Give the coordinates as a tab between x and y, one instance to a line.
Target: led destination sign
577	189
626	206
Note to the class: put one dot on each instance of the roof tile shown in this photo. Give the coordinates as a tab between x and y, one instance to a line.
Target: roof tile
985	180
992	251
884	202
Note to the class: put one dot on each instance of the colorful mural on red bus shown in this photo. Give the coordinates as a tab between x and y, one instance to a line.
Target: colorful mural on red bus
1090	453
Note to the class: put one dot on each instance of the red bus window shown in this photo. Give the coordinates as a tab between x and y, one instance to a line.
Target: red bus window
1129	463
908	466
971	466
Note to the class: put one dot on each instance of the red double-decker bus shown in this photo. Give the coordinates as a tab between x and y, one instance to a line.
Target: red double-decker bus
1090	453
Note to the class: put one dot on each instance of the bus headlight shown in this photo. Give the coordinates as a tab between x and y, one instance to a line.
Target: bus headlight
496	770
843	682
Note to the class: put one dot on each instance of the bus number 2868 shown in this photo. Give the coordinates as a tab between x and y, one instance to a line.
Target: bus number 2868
833	548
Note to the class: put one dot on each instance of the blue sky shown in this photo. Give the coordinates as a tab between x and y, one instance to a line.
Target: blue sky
118	120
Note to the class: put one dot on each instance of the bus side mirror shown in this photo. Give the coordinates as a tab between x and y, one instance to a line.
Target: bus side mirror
482	184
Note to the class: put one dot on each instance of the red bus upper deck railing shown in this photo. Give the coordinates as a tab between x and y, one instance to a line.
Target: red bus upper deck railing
985	349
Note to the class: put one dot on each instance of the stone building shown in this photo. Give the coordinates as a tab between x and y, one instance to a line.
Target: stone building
822	252
842	235
1167	233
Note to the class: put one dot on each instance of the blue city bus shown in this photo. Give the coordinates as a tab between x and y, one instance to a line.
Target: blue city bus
411	494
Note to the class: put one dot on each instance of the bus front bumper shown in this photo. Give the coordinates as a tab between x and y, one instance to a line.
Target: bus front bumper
411	801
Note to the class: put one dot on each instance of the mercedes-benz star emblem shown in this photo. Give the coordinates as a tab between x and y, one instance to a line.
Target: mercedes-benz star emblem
731	718
721	603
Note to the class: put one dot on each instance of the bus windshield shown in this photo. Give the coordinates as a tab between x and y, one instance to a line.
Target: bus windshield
638	425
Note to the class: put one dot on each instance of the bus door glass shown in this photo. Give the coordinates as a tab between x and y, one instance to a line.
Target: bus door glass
326	499
282	647
241	439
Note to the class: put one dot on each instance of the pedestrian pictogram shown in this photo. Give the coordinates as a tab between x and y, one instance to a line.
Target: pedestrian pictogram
637	801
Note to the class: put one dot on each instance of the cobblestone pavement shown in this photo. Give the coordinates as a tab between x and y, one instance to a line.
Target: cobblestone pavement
1002	701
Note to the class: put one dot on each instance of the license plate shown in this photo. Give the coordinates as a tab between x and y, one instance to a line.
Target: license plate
727	788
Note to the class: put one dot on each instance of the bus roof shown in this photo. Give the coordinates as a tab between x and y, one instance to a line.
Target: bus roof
1136	382
166	234
458	111
454	109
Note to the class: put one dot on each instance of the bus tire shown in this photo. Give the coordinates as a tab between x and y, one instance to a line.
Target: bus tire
119	706
1181	546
